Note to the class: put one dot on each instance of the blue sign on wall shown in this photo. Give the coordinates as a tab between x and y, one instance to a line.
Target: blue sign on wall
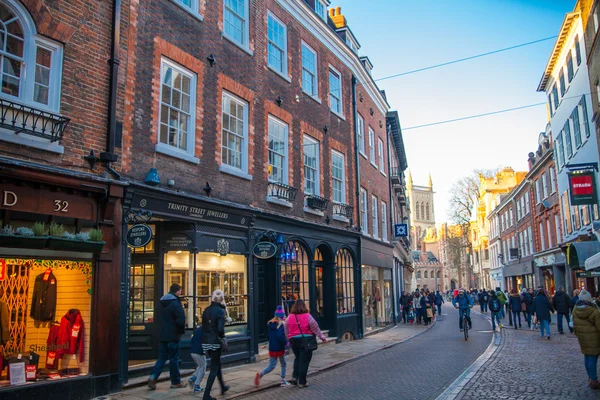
400	230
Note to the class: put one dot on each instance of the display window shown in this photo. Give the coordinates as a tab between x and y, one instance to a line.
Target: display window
371	296
212	272
49	307
344	278
294	275
388	308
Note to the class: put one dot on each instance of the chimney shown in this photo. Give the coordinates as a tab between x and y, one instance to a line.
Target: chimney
336	16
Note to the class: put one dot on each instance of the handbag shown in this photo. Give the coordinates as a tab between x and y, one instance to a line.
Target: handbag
429	313
307	343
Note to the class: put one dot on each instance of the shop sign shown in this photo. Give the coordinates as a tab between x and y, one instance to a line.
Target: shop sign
187	210
545	260
179	241
264	250
2	269
583	188
400	230
138	235
588	274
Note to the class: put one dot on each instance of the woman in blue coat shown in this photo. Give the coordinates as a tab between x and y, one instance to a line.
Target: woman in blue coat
542	309
515	306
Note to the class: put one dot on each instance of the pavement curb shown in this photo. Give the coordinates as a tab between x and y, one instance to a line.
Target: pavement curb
459	383
336	365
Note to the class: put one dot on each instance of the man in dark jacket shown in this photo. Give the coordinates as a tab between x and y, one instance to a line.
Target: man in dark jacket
171	320
405	304
495	307
562	304
439	300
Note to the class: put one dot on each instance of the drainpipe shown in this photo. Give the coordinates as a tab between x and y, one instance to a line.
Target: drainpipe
109	156
358	281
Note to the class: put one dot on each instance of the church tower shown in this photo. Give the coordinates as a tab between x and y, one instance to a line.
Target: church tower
422	214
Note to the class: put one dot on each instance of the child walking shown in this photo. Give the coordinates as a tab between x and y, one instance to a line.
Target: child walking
277	343
198	356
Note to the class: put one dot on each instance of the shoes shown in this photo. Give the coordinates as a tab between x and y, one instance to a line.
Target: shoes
208	397
179	385
257	379
500	325
461	330
152	383
303	386
594	385
516	327
293	382
191	383
562	333
284	383
224	390
197	389
548	337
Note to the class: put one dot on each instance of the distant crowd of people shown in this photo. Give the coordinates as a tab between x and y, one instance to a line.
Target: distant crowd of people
421	307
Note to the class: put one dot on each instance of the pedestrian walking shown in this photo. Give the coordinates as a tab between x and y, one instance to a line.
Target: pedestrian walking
427	309
575	298
417	306
527	298
503	300
439	300
562	304
405	305
213	331
586	322
171	324
301	328
515	306
199	358
542	309
277	344
495	307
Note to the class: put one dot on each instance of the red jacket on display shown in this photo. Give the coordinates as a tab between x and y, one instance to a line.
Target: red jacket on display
52	347
71	333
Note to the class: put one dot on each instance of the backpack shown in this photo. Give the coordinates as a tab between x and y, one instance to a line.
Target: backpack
495	306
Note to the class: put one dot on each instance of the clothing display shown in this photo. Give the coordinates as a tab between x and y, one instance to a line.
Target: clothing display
43	303
52	346
70	336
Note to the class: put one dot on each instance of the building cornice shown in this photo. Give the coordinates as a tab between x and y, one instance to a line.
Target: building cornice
563	34
329	38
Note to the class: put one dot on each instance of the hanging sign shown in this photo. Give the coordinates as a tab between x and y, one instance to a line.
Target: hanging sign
138	235
2	269
400	230
583	188
264	250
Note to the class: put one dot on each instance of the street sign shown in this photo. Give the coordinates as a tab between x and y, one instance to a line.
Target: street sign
400	230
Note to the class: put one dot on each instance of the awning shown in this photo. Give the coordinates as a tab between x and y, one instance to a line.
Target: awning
592	262
579	252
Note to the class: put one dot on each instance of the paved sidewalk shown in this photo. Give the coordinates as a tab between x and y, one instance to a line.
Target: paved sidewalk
240	378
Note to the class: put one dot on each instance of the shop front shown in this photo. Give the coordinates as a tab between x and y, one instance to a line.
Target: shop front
496	278
198	244
578	254
59	257
310	262
519	275
377	285
550	271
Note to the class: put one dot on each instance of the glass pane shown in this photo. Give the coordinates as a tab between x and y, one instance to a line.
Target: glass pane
14	45
43	57
166	94
149	317
176	99
149	281
149	294
42	75
138	282
40	94
137	318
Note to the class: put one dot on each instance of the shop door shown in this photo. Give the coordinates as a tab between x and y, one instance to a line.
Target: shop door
266	294
324	307
143	294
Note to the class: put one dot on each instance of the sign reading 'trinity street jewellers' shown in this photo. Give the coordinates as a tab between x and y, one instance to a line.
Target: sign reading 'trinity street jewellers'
187	210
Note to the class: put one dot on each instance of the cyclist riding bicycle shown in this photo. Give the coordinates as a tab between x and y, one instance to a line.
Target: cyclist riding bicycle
463	303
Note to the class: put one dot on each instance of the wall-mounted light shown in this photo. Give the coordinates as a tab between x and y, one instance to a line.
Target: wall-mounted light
212	60
152	177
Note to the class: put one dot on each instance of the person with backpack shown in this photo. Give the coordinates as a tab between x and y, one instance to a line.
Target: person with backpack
562	304
495	307
503	301
277	344
198	356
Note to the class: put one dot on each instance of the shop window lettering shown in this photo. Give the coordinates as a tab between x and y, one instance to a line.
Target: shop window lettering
9	198
61	205
52	347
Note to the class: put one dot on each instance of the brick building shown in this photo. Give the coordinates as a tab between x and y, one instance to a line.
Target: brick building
60	100
429	271
250	123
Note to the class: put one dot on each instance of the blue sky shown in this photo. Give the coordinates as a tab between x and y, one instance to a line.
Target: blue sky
403	35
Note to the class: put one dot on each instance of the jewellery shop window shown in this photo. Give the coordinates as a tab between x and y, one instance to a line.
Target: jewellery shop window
48	303
213	272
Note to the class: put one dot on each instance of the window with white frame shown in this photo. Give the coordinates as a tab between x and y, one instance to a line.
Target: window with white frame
576	127
278	151
338	180
542	238
335	91
277	47
26	54
568	143
527	206
570	71
311	166
563	85
189	5
518	209
235	21
177	107
363	211
321	9
372	146
511	215
381	155
360	127
557	228
549	231
384	219
538	192
309	71
560	151
577	50
552	175
374	215
530	238
555	96
584	116
544	186
234	140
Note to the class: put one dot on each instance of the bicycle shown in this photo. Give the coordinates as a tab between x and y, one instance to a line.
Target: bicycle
465	324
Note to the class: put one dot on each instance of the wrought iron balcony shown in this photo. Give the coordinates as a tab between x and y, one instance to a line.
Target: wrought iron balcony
343	210
396	176
282	191
24	119
316	202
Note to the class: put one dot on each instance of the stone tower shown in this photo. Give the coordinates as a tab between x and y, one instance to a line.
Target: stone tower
422	215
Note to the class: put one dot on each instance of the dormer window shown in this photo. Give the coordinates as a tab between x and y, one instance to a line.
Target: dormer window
321	9
352	44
